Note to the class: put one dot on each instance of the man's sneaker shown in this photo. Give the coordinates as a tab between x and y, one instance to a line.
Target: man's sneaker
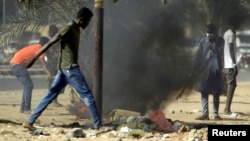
29	126
103	129
217	117
203	117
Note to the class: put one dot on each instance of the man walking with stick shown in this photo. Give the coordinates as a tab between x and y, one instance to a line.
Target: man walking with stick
68	69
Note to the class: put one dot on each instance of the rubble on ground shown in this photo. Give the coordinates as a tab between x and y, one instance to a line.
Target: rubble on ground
152	128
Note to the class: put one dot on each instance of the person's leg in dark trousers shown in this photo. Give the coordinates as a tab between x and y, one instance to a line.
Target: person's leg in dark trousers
231	85
204	104
23	76
216	104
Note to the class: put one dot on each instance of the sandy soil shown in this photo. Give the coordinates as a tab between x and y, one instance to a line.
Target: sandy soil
185	109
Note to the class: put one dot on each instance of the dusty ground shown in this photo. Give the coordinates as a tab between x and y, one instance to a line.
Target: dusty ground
184	109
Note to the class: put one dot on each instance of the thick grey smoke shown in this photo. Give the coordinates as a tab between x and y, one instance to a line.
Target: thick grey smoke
145	54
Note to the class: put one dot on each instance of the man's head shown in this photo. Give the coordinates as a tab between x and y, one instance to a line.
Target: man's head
235	21
83	16
52	30
211	31
43	40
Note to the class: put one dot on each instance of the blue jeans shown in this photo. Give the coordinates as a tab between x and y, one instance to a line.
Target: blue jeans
75	78
23	76
204	103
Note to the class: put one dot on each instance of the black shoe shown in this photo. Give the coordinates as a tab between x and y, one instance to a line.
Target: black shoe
29	126
203	117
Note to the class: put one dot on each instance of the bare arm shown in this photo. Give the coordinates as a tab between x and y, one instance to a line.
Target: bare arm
232	52
52	41
233	57
45	68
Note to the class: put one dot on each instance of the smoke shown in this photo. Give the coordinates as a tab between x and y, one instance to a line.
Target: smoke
146	54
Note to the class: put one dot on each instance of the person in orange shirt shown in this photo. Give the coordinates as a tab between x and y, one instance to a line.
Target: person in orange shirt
19	69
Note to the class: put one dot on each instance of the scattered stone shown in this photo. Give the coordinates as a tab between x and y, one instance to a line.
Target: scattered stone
118	139
136	127
58	131
117	113
177	125
5	132
125	129
183	128
76	133
136	133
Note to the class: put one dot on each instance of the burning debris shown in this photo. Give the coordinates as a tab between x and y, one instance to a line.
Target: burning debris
155	126
117	113
77	107
79	110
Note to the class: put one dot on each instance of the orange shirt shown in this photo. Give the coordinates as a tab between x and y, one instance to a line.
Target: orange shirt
26	54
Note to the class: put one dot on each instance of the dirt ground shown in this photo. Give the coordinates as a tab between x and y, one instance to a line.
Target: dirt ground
185	109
